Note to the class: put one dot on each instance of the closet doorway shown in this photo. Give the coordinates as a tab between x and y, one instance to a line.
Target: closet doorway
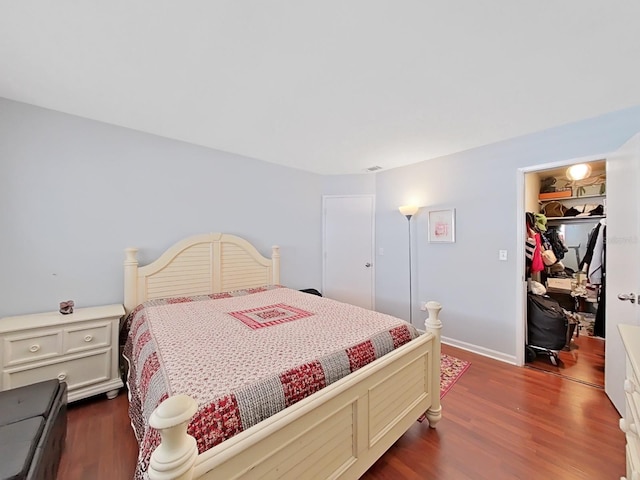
568	214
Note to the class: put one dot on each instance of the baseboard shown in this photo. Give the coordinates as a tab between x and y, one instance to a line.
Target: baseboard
485	352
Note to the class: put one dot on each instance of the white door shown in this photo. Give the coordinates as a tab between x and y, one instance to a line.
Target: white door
622	260
348	271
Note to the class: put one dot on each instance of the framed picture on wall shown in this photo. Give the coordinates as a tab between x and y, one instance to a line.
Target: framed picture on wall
442	225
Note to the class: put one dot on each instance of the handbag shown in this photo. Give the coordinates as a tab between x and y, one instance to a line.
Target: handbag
554	209
549	258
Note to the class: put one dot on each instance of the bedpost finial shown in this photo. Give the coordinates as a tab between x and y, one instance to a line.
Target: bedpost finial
177	452
275	265
433	321
130	256
173	411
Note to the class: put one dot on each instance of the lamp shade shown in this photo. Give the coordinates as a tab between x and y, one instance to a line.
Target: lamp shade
578	171
408	210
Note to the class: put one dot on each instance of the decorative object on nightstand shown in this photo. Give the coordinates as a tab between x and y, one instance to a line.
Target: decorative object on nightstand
79	348
66	307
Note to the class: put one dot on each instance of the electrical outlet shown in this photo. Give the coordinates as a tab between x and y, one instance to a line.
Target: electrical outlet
502	255
423	306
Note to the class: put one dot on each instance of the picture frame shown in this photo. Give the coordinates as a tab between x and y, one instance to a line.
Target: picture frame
442	225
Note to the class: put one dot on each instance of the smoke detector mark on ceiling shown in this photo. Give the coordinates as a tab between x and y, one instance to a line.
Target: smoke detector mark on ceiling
373	169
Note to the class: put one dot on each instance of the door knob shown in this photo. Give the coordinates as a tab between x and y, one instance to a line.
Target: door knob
367	264
631	297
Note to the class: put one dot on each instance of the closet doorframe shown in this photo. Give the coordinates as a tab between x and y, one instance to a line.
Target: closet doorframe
521	281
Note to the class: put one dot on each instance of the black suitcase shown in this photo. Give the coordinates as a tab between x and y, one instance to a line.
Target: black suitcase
547	324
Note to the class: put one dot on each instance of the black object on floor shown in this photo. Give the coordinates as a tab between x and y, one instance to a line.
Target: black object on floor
312	291
547	328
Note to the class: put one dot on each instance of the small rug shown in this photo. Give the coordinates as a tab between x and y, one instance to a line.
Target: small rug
451	369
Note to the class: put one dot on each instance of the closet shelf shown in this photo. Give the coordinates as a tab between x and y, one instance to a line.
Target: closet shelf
574	197
590	219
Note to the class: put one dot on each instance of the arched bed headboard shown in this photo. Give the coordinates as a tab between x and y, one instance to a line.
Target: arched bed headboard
199	265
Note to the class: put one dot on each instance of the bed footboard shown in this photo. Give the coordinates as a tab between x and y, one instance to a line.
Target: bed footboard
338	432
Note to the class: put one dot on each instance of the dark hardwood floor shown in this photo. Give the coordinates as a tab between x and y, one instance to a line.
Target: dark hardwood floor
584	361
499	422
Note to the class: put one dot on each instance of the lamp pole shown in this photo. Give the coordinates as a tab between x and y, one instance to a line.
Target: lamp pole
410	264
409	211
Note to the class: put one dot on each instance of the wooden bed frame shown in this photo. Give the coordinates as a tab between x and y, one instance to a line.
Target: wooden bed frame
338	432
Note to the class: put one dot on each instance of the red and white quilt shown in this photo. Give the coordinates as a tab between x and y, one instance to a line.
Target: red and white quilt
245	355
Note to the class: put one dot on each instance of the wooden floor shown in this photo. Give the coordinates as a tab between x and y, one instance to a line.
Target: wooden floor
584	361
499	422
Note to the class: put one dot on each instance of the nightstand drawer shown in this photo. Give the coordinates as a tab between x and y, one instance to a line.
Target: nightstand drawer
77	372
87	337
33	346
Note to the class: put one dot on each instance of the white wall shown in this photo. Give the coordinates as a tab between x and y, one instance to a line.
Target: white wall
477	290
74	193
364	184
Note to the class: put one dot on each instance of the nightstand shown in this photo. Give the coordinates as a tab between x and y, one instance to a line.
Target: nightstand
80	349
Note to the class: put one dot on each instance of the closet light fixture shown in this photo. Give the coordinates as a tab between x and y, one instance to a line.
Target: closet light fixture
409	211
579	171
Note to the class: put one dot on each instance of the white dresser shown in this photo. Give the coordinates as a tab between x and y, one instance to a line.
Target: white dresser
80	348
630	423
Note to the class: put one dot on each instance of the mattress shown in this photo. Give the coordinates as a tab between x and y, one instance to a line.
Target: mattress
245	355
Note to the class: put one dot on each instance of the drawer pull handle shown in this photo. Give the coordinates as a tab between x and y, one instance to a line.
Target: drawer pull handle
34	348
62	376
88	338
629	386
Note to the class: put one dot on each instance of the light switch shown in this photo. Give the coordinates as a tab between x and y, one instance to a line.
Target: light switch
502	255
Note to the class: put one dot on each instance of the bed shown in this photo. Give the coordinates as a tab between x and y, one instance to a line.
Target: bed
332	426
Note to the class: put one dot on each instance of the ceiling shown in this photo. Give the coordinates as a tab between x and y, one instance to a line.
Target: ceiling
332	87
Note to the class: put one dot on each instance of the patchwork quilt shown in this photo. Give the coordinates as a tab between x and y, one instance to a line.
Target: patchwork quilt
244	356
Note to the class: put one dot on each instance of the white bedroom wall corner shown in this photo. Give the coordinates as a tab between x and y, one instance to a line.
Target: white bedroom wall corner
40	147
480	350
481	184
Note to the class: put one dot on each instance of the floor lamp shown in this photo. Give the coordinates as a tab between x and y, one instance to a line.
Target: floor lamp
409	211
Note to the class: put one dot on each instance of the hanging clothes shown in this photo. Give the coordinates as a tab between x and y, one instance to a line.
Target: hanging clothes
533	243
596	267
597	272
599	325
537	264
594	257
593	264
591	243
556	242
